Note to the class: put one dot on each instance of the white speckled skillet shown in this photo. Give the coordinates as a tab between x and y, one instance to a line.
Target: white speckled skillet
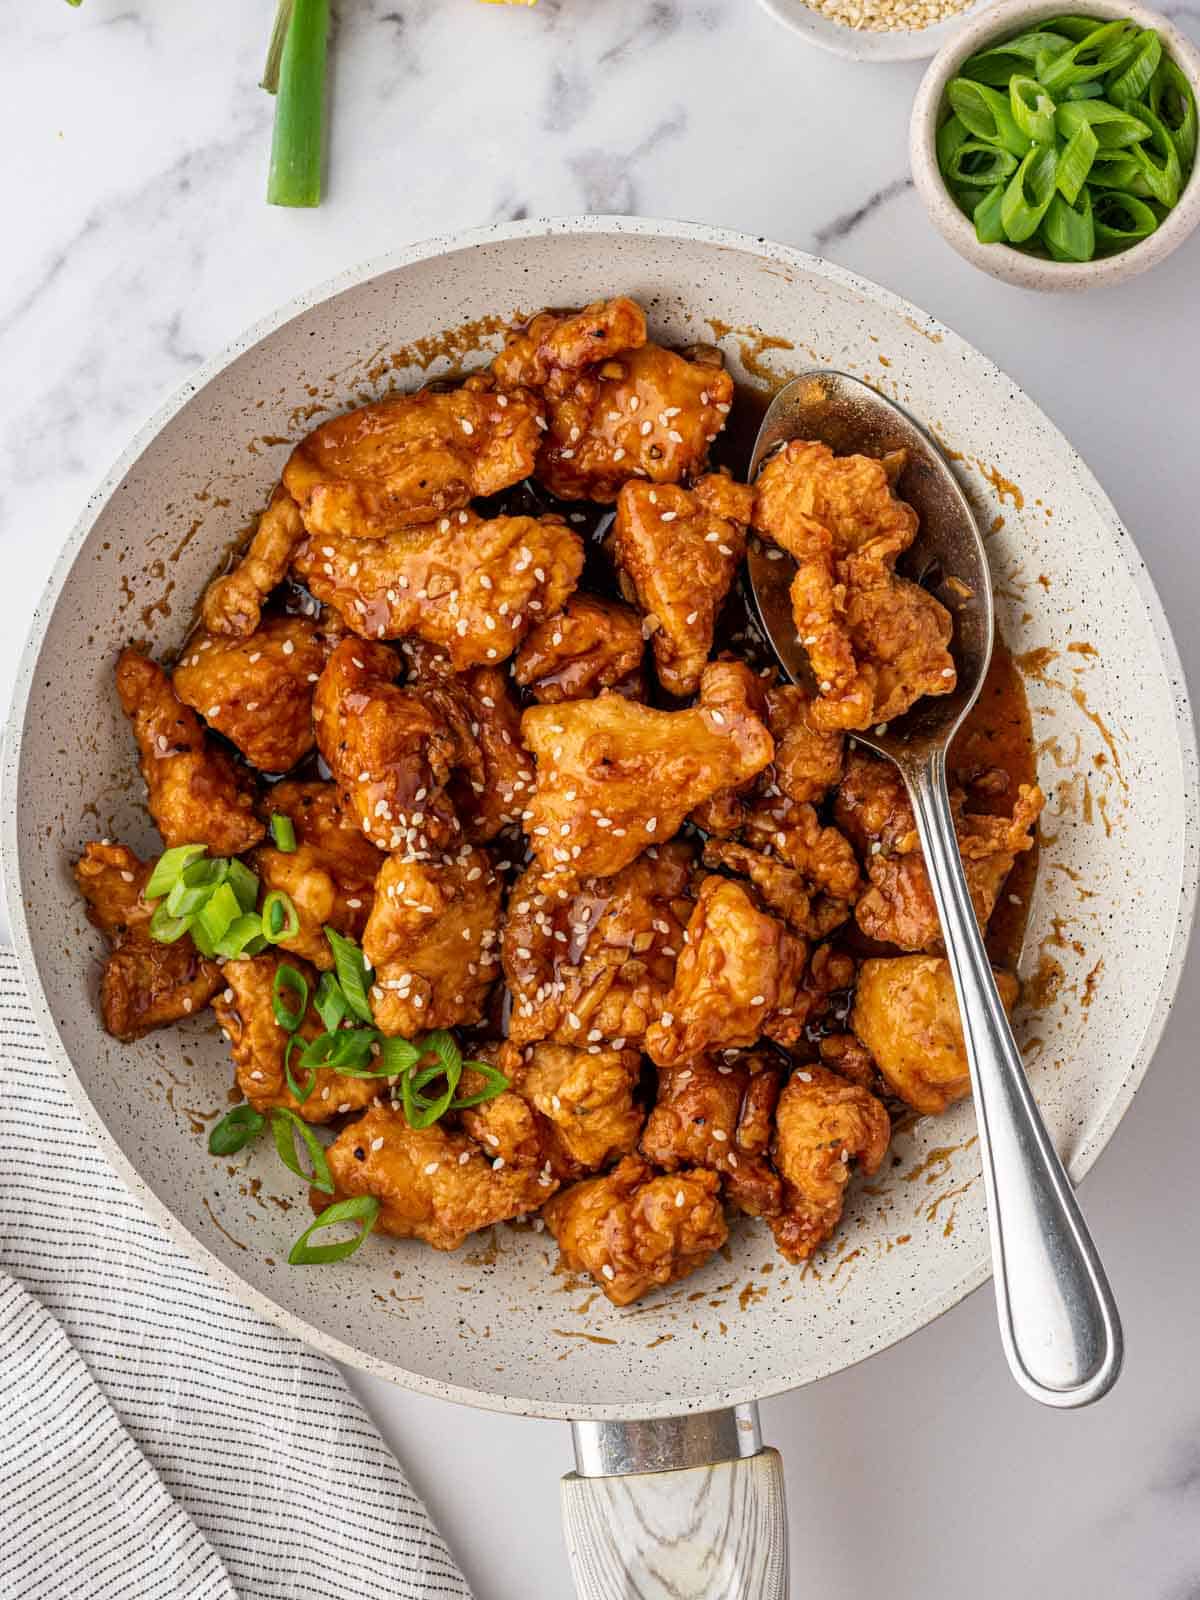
494	1327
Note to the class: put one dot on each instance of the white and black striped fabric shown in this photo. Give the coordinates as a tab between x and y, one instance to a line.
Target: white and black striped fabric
158	1441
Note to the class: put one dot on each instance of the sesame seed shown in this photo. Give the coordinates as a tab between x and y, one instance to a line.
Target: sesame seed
608	1272
759	1000
377	1144
720	1135
431	1167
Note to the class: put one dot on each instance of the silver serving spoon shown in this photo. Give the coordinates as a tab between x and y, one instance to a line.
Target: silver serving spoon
1058	1321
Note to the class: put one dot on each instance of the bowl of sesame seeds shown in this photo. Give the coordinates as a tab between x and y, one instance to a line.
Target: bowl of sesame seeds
873	30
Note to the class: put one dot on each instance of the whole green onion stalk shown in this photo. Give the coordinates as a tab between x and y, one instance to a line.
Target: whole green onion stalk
295	74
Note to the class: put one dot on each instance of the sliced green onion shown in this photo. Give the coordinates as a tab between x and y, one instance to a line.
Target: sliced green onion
236	1129
300	1091
218	913
289	1018
952	133
244	884
243	937
1120	220
346	1051
986	114
997	65
295	173
1133	80
1068	228
398	1056
283	831
285	1125
1115	172
496	1083
194	885
1099	53
1114	128
362	1208
1029	193
166	928
279	32
1083	91
331	1004
1075	162
280	919
168	867
1032	109
354	975
1163	177
205	945
1071	27
989	228
980	165
1173	103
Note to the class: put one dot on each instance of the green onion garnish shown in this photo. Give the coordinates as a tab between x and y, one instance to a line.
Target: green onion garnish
362	1208
496	1083
299	1091
218	914
285	1125
1069	229
331	1004
243	937
289	1018
1075	162
244	884
354	975
1032	109
1029	192
295	173
986	114
280	919
347	1051
283	831
168	867
236	1129
1172	102
166	928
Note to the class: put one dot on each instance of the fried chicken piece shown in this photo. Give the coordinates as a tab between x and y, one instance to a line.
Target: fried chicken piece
846	1055
823	1125
613	775
232	604
737	978
591	644
617	406
245	1011
470	586
718	1114
195	793
390	754
678	550
876	642
595	962
808	763
413	458
432	1184
493	776
806	873
432	937
329	876
587	1096
146	984
257	690
633	1231
873	808
906	1014
509	1128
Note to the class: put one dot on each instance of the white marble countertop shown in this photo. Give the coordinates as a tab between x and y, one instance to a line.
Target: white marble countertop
139	243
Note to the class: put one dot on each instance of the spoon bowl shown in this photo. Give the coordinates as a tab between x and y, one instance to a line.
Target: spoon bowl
1058	1320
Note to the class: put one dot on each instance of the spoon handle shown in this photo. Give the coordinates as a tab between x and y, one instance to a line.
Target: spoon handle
1058	1321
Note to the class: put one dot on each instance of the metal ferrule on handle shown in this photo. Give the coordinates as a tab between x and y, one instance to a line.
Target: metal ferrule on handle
1058	1319
682	1508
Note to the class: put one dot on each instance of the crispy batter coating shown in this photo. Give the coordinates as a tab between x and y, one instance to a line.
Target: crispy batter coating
805	873
470	586
493	776
873	808
432	1184
737	979
257	690
823	1125
617	406
146	984
633	1231
876	642
330	876
246	1014
412	458
846	1055
195	793
614	776
906	1014
390	753
232	604
591	644
432	938
719	1114
587	1095
595	962
678	550
808	763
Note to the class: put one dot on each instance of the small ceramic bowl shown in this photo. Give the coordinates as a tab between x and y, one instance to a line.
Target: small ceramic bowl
1002	261
865	44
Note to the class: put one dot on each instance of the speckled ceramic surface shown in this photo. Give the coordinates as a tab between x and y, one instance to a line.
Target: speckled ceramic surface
490	1324
1014	266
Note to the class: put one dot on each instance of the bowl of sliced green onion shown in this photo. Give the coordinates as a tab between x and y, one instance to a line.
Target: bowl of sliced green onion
1058	150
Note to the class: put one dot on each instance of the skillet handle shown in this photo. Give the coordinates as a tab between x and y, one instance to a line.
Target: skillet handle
685	1508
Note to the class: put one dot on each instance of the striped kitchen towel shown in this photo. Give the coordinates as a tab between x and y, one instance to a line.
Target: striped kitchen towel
158	1441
